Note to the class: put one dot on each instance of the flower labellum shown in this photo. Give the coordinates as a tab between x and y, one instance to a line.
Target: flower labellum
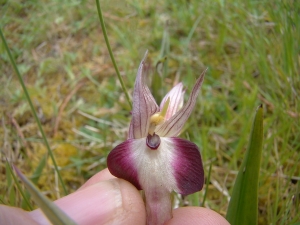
153	158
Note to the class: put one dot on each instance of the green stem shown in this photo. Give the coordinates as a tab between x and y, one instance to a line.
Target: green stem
32	109
110	51
207	184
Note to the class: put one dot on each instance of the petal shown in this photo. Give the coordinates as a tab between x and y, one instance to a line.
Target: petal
144	105
121	164
155	168
130	131
176	100
187	166
135	162
173	126
175	165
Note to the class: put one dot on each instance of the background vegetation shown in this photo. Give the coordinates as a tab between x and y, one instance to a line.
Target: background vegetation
251	50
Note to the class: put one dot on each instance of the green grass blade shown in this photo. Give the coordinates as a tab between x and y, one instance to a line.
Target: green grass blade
157	80
297	223
32	109
11	190
110	51
206	185
243	206
165	52
53	212
38	171
25	197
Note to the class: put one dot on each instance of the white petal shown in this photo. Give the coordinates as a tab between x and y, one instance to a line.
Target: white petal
154	166
175	165
176	100
173	126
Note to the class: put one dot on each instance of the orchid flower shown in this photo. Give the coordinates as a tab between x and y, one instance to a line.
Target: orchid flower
153	158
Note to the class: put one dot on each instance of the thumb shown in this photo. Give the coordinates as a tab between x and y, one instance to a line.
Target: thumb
112	201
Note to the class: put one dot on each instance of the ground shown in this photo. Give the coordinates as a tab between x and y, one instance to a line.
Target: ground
251	51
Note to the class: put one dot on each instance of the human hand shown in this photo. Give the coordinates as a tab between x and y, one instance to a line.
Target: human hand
104	199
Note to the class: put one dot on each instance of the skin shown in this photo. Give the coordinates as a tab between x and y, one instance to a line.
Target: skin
104	199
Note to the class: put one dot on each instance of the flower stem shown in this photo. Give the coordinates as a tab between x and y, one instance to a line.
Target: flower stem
158	205
110	51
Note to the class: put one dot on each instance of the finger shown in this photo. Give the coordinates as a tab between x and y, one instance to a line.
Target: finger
11	215
196	216
100	176
114	201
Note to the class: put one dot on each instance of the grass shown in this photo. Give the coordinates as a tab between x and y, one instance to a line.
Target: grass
251	50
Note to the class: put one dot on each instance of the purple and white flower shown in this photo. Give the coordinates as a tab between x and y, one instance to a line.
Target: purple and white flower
153	158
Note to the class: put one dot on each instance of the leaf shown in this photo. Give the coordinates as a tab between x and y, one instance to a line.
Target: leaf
11	190
38	171
53	212
35	177
25	198
243	205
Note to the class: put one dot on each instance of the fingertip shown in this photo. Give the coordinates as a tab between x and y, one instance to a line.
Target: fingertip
196	216
100	176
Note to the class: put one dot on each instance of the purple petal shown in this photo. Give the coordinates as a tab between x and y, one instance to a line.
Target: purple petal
188	168
144	105
120	163
176	100
175	165
135	162
173	126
